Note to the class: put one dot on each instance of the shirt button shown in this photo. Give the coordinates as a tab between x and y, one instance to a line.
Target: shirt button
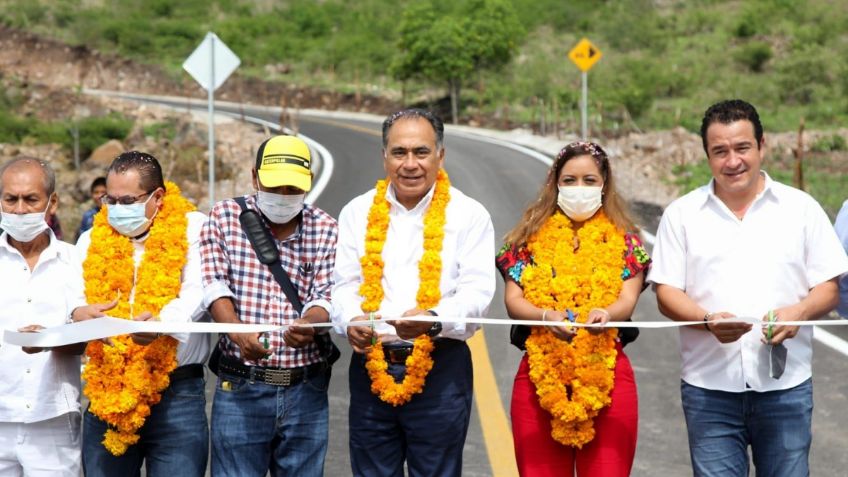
29	300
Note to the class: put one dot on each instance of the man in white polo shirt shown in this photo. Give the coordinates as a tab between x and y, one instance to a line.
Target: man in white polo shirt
745	246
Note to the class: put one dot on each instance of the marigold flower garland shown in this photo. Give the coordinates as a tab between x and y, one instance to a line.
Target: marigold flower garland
125	379
573	380
419	363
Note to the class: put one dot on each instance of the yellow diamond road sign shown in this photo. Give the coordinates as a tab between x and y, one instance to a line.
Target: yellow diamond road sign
585	54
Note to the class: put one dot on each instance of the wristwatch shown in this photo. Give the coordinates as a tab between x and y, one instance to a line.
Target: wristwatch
436	328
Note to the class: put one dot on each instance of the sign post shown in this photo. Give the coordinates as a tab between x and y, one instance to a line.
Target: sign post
211	63
584	55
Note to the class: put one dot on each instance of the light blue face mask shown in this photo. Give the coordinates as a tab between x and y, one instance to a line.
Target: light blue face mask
129	220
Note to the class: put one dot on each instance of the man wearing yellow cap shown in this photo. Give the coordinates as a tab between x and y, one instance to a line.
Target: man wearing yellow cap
270	408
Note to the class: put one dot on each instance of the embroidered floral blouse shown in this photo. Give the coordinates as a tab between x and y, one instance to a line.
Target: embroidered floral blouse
511	259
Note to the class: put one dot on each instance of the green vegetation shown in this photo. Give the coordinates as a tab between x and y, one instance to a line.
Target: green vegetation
825	177
457	44
96	130
166	129
830	143
93	131
663	62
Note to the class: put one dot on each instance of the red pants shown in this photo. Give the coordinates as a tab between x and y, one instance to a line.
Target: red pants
609	454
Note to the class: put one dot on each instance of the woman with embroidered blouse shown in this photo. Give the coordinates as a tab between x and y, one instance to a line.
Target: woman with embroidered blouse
575	256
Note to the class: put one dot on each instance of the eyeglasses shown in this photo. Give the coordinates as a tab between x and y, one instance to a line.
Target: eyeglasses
123	200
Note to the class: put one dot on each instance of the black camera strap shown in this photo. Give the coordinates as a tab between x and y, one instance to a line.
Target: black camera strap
248	224
266	249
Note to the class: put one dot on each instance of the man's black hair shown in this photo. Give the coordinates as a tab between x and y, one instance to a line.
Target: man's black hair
729	111
149	170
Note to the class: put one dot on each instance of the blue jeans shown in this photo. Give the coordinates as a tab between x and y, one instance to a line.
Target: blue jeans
257	427
776	424
174	439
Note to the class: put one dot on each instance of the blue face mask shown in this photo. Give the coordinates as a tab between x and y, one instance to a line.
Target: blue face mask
129	220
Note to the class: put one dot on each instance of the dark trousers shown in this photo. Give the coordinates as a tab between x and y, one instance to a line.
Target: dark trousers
428	432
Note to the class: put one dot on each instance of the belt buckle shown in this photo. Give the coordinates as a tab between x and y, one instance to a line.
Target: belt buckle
278	377
398	355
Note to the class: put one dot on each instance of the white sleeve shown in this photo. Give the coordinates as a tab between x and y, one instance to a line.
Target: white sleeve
475	285
669	254
74	284
347	274
187	306
83	242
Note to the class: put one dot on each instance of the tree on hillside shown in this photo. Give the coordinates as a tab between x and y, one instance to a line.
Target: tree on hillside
451	47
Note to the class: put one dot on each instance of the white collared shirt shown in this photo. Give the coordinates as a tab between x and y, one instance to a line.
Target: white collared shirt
783	247
187	306
468	262
41	386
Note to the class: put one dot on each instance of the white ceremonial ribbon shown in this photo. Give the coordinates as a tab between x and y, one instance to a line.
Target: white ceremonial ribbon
105	327
99	328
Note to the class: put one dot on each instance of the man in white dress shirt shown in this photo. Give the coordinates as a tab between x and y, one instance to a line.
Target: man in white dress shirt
428	431
745	246
174	440
41	279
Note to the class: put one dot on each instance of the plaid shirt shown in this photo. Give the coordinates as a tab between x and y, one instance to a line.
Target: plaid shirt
230	268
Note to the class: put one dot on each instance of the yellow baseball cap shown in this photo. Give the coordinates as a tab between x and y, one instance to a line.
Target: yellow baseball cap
284	161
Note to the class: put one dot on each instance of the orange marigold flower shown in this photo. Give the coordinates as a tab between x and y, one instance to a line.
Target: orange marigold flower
419	363
123	380
573	379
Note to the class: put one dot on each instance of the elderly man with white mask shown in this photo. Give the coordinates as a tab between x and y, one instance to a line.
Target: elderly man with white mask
41	279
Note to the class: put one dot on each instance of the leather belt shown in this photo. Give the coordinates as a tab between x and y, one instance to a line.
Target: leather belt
397	355
187	371
273	376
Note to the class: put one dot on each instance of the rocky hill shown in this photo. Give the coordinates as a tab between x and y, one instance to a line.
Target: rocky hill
48	76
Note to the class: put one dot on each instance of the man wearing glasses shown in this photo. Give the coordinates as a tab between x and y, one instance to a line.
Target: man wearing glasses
143	256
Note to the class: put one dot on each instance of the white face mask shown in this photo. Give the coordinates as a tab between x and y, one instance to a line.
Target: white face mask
279	208
24	227
579	202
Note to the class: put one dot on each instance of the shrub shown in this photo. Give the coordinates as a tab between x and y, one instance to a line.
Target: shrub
13	128
161	130
691	176
833	142
754	55
95	131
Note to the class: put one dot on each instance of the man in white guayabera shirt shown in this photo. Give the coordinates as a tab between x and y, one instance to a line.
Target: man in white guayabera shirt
41	279
414	245
745	246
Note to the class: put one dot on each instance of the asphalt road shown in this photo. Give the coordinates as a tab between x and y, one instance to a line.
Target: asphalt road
505	180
